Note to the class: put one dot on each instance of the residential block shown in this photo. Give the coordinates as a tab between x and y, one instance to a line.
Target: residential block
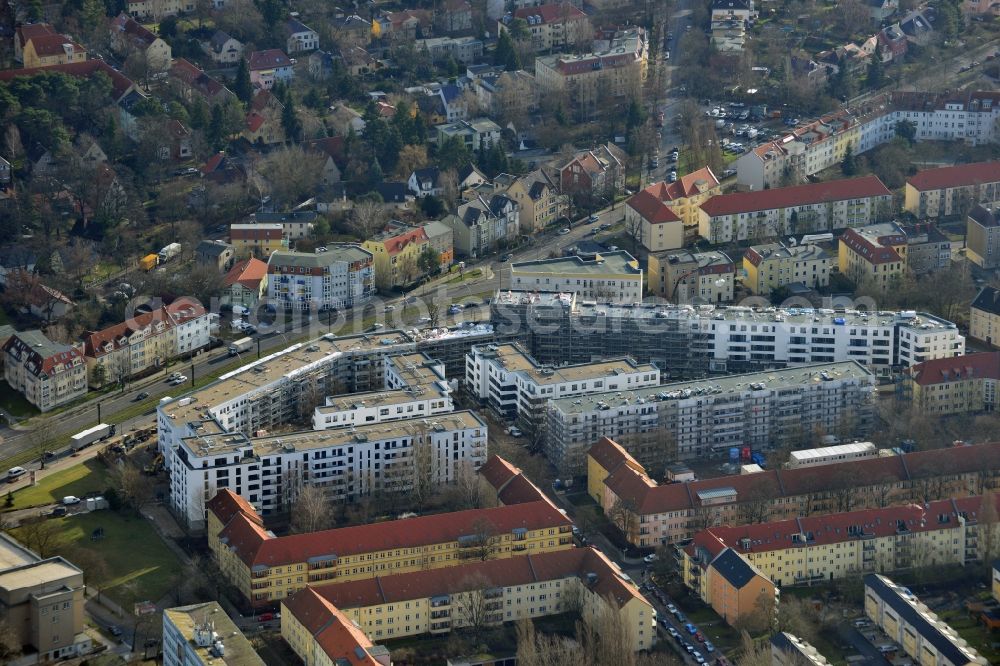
266	569
962	385
951	190
340	277
611	276
681	276
673	512
774	265
46	373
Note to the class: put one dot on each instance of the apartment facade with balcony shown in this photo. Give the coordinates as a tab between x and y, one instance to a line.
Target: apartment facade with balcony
690	420
515	386
46	373
961	385
439	601
341	277
774	265
673	512
807	208
266	569
945	191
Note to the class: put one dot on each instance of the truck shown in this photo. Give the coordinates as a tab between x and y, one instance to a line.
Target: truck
91	435
241	345
169	252
149	262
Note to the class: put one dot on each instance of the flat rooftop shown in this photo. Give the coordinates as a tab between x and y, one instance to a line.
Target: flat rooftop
606	263
38	574
416	368
346	403
514	359
13	554
238	650
259	374
737	313
320	439
731	384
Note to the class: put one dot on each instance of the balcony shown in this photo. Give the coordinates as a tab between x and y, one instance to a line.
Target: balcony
438	614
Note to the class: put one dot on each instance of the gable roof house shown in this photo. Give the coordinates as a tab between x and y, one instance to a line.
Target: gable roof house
223	48
300	37
217	254
425	182
597	172
245	283
25	32
45	50
129	37
46	373
481	226
263	124
269	66
191	81
331	149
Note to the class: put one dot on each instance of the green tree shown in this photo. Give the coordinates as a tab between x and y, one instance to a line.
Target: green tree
290	120
198	114
906	129
452	154
432	207
849	166
636	115
429	260
241	84
875	77
168	27
505	53
216	134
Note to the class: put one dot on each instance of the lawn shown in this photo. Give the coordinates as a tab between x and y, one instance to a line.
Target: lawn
976	634
78	480
14	403
137	565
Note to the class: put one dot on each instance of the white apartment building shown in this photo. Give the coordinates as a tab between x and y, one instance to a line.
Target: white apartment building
970	117
191	325
828	455
341	277
346	462
689	420
46	373
515	386
925	637
614	276
380	406
280	387
799	209
203	634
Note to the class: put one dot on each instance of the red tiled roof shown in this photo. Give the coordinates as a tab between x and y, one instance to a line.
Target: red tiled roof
955	176
944	370
139	34
248	273
693	183
841	527
94	342
341	639
554	13
255	550
651	208
262	100
194	77
268	59
32	30
609	454
254	121
120	84
50	45
798	195
332	146
184	309
512	486
508	572
226	504
873	254
636	488
213	163
397	244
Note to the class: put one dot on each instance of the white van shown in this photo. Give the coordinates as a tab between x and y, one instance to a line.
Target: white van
15	473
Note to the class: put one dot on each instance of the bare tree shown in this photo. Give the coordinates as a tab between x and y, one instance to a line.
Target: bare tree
469	485
311	510
483	543
367	218
623	516
291	173
479	606
424	467
134	490
10	643
606	637
448	182
40	535
753	653
989	532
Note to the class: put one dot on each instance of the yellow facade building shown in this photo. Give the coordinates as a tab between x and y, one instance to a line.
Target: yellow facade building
266	568
984	316
321	635
933	193
960	385
767	267
875	254
396	252
437	601
814	549
52	49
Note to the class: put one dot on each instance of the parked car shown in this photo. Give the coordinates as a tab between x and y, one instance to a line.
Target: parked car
115	631
649	559
515	432
672	609
563	231
505	258
594	218
58	511
673	632
709	647
700	637
70	500
691	629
